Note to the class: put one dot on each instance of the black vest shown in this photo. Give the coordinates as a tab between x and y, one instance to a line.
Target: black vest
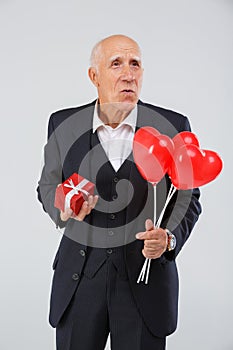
120	212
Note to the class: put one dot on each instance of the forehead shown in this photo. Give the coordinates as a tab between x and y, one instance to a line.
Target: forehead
120	48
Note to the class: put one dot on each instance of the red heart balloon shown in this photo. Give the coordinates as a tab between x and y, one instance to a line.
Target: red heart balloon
146	135
193	167
152	153
182	139
185	138
211	167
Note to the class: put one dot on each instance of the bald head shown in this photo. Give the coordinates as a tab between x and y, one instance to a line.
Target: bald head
116	70
99	49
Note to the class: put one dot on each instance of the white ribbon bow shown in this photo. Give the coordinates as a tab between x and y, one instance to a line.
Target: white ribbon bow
75	190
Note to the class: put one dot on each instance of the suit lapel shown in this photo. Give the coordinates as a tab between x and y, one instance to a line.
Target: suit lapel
75	137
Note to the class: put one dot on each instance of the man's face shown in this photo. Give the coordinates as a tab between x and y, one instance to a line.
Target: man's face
118	77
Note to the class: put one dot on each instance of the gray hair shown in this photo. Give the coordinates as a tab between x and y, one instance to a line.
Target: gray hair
95	54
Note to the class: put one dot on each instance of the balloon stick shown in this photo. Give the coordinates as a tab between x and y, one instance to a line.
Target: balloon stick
146	266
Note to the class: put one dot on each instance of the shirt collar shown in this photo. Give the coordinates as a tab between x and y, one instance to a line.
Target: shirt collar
130	120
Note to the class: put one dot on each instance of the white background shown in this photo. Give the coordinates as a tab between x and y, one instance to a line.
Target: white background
188	55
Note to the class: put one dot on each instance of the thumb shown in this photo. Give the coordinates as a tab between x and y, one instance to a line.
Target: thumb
149	225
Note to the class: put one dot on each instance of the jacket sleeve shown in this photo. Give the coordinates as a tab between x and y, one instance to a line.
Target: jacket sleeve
51	175
182	212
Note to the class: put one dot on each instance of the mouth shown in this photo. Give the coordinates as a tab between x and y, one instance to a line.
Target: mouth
128	91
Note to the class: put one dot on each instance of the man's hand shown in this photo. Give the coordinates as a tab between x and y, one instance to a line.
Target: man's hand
86	208
155	240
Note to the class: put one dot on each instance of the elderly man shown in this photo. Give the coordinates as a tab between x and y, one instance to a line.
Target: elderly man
95	290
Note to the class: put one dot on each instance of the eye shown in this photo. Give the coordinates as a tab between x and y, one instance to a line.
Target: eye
115	63
135	63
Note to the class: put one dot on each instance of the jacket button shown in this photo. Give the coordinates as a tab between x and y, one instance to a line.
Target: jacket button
109	251
114	197
75	277
112	216
82	252
115	179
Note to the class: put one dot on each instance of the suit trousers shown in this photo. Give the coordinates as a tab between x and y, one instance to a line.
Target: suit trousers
101	305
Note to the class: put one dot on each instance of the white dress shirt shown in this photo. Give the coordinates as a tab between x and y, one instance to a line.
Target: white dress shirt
117	143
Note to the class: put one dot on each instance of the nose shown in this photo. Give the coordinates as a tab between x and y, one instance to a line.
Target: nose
127	73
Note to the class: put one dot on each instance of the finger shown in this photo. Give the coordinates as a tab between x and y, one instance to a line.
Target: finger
149	225
140	235
146	235
90	200
156	244
149	250
92	203
156	234
65	215
150	243
83	211
89	204
86	207
95	200
150	255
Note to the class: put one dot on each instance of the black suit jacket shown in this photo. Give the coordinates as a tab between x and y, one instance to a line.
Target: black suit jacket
157	301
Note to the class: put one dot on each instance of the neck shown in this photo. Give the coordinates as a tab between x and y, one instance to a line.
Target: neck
113	114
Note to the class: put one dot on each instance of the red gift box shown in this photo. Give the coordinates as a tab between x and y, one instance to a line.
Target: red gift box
73	192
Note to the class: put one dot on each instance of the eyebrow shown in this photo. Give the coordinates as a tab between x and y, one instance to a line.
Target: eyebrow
117	57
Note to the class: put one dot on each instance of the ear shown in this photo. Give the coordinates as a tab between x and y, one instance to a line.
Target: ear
93	75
